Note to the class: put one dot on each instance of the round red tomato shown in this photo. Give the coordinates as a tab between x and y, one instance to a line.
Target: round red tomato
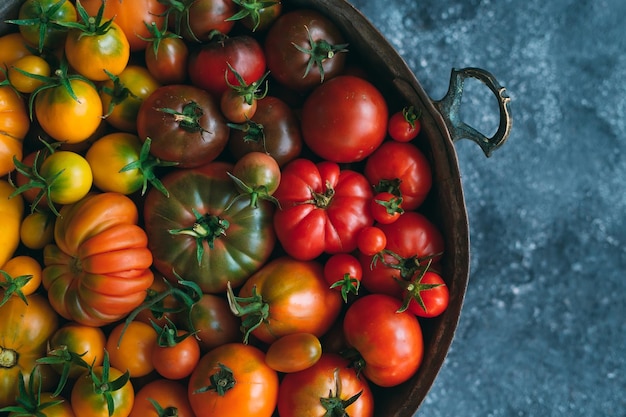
390	343
176	353
427	295
371	240
166	56
409	176
330	387
323	208
343	272
386	207
404	125
344	119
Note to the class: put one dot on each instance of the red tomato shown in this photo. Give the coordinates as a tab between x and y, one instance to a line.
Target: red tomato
208	65
344	119
160	398
404	125
132	350
196	20
371	240
386	208
390	343
427	295
343	272
233	381
166	56
330	387
323	208
176	353
409	176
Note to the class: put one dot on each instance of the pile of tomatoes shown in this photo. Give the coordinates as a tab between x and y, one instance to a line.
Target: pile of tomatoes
208	208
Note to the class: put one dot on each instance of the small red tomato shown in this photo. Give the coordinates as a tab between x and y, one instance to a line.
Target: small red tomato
176	353
371	240
404	125
386	207
343	272
427	295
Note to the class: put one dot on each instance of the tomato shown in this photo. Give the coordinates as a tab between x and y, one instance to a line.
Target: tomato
37	229
88	397
390	343
386	207
98	269
371	240
130	16
14	124
330	387
294	352
408	177
239	102
20	276
45	404
176	353
24	332
427	295
11	212
344	119
198	19
412	241
87	341
130	347
13	46
404	125
198	234
343	272
163	310
257	175
39	20
209	64
66	118
323	208
274	129
213	321
304	48
257	16
184	123
160	398
123	94
68	177
166	56
233	380
31	64
286	296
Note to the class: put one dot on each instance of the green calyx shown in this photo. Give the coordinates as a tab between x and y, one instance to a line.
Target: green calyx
221	381
189	118
319	52
253	310
28	401
13	286
251	9
334	405
207	228
89	25
146	164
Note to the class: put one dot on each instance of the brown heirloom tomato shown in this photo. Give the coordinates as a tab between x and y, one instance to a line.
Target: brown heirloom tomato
24	332
203	232
184	123
98	269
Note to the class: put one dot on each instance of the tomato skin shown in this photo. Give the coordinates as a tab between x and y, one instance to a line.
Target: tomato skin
323	208
344	119
287	64
73	173
66	119
212	319
172	139
132	350
300	392
32	64
24	332
11	212
37	229
371	240
404	125
208	64
246	244
84	340
98	269
386	207
254	393
281	138
435	299
391	343
87	402
168	65
177	361
299	299
168	394
412	237
410	167
343	272
293	352
204	16
21	265
14	124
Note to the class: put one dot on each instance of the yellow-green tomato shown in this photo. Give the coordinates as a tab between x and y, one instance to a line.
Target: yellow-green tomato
294	352
37	229
68	175
109	155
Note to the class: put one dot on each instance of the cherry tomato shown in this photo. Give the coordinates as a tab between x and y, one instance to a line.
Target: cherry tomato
161	398
20	276
427	295
13	46
132	350
371	240
343	272
37	229
404	125
386	207
72	176
31	64
213	321
197	20
257	175
294	352
14	125
176	353
166	57
38	22
86	341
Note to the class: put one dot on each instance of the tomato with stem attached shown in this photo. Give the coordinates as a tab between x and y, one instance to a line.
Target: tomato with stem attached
20	276
175	353
343	272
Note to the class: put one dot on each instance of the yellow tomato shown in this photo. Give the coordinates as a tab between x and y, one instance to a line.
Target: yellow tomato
11	213
12	47
87	341
31	64
14	124
37	229
17	269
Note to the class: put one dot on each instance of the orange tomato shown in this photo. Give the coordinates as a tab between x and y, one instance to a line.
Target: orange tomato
88	399
11	213
178	360
19	269
12	47
294	352
44	409
168	395
14	124
31	64
87	341
132	350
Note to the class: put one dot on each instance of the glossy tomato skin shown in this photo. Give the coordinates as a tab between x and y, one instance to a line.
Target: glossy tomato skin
132	350
167	394
435	299
323	208
73	176
344	119
410	168
37	229
287	64
32	64
98	270
87	402
14	124
412	237
178	360
201	17
11	212
184	123
281	136
213	321
294	352
298	297
24	332
244	246
300	392
390	343
208	64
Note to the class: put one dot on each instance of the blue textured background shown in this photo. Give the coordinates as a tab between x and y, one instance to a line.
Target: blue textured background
543	327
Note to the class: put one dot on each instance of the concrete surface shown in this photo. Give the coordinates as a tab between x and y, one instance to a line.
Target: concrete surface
543	330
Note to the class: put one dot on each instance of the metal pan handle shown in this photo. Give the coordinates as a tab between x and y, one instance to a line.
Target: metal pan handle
449	107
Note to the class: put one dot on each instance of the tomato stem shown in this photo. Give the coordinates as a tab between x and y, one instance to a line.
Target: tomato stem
253	310
334	404
251	9
322	200
8	358
206	228
13	286
319	52
221	381
187	119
